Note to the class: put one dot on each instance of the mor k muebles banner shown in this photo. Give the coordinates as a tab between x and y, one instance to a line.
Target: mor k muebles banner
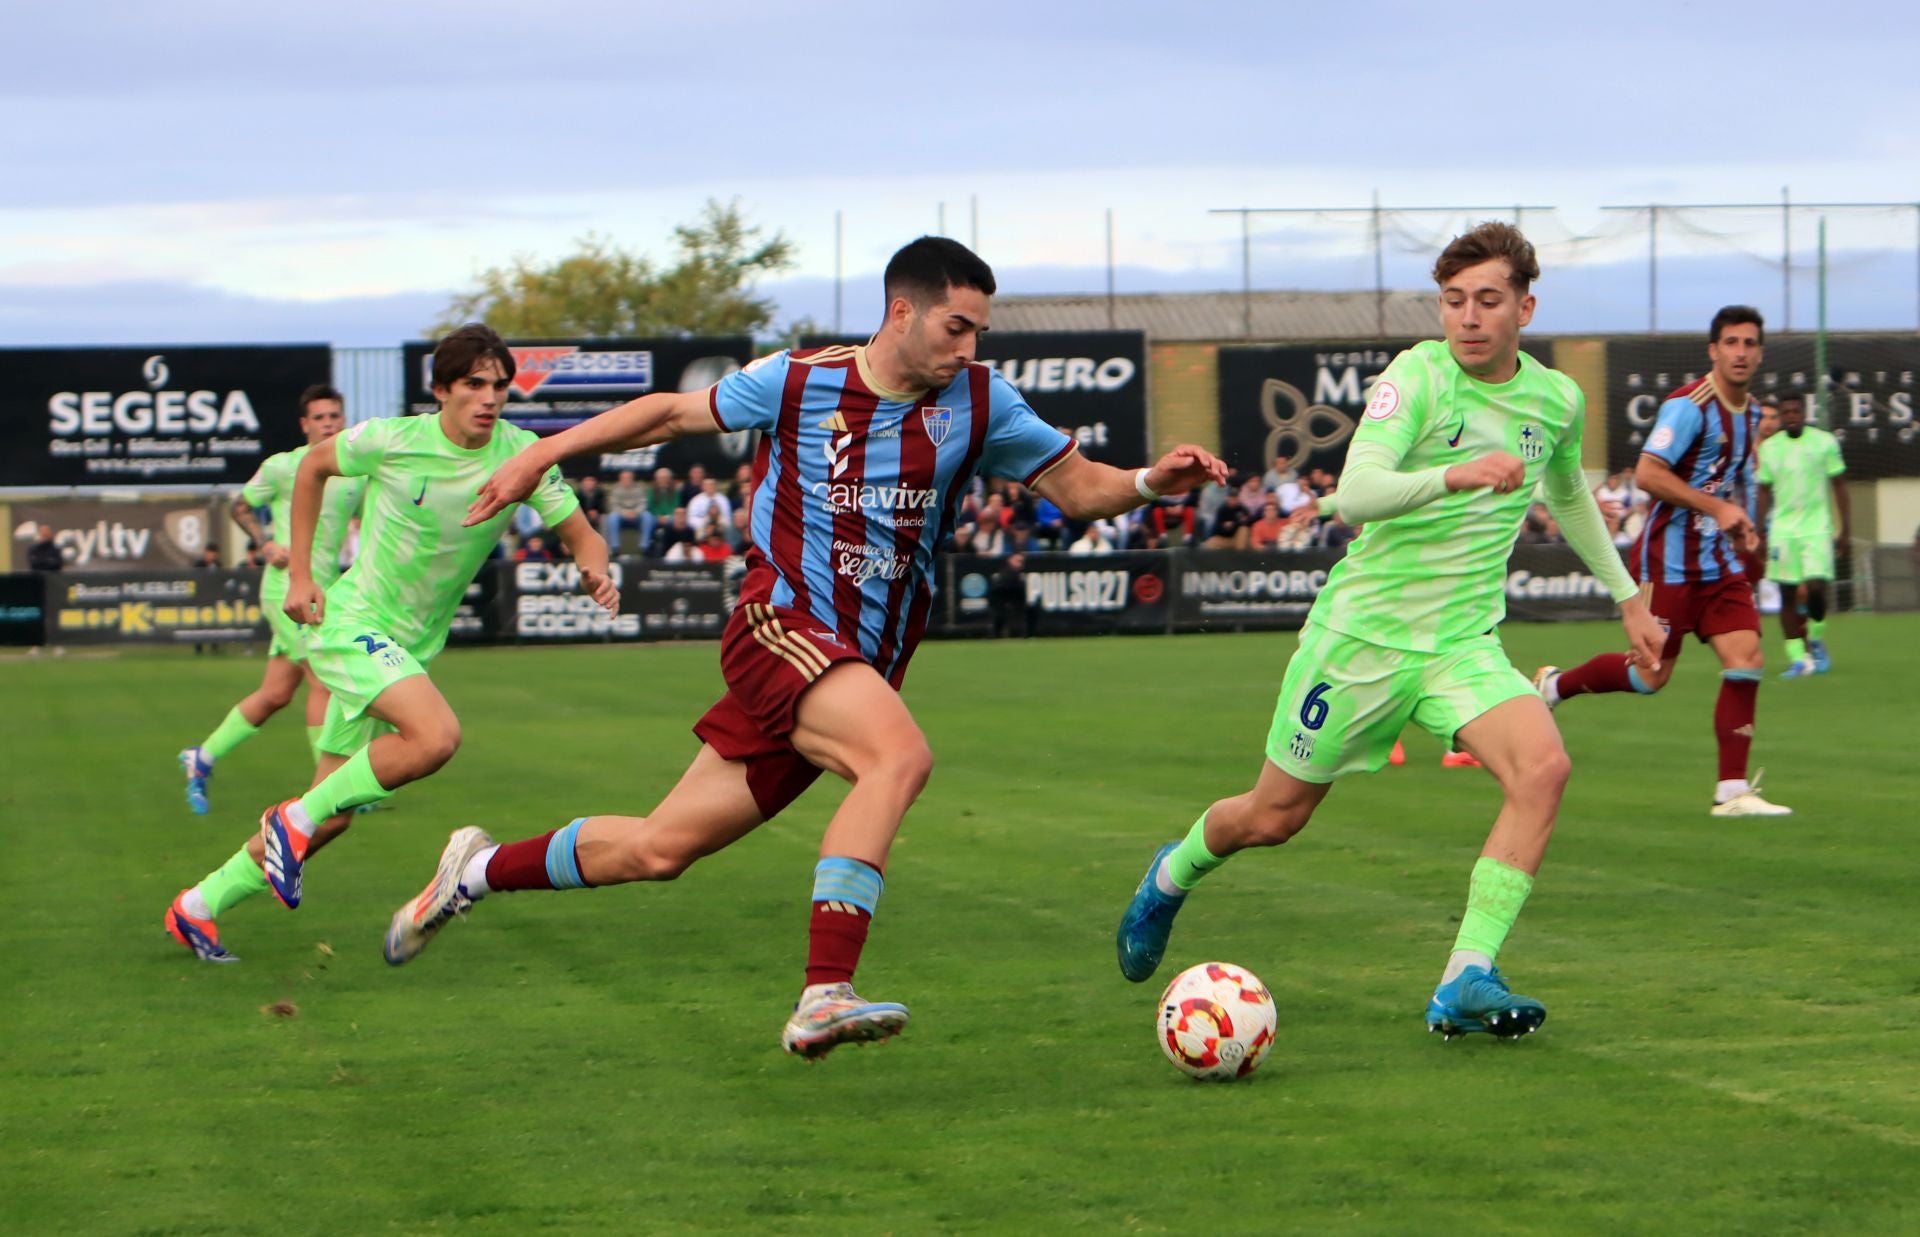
1092	384
154	607
1299	404
1871	393
559	383
156	416
103	536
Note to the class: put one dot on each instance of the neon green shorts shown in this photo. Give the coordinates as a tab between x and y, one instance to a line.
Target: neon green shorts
1344	701
1791	560
290	639
356	667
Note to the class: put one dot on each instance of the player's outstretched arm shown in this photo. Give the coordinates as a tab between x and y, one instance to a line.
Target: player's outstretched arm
1085	490
1657	478
306	602
589	550
1844	534
273	551
643	422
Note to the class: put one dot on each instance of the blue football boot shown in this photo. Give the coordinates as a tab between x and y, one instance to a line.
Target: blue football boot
194	763
1821	662
1478	1000
1144	929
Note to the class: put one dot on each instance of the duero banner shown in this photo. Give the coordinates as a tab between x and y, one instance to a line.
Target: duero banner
1092	384
154	607
1232	590
23	608
1299	404
155	416
559	383
1872	395
102	536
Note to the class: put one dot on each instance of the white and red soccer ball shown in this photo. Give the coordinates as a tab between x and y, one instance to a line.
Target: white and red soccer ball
1216	1021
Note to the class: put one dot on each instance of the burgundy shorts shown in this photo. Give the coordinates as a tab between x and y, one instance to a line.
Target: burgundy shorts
1705	610
1754	564
769	657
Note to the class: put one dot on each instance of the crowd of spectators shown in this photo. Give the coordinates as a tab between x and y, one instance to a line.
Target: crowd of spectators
699	518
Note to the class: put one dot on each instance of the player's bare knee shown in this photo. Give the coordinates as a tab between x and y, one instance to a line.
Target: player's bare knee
1539	777
645	858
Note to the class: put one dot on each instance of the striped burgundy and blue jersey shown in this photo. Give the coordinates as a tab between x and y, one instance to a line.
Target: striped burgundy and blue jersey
855	485
1710	447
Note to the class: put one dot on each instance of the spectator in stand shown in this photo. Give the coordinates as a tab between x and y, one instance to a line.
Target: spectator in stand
1098	539
1019	539
1252	496
696	480
1020	504
710	507
962	540
45	554
1007	599
1616	497
669	534
1264	533
1278	475
210	559
994	514
1049	525
1128	529
593	500
534	551
1169	522
1230	529
713	546
626	507
1293	495
1214	496
1336	533
742	538
990	537
663	498
741	491
254	560
1539	528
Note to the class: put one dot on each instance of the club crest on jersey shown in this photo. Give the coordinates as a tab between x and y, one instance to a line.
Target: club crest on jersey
938	421
1533	442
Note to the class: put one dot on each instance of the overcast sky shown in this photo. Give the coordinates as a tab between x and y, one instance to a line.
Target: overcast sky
208	170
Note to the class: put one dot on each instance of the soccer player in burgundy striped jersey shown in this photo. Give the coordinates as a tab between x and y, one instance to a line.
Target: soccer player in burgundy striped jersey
1697	467
864	455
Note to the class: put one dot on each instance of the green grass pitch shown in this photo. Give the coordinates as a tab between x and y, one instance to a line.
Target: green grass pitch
1735	1005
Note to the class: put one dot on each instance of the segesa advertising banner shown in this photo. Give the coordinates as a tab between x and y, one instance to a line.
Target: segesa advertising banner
150	416
559	383
1092	384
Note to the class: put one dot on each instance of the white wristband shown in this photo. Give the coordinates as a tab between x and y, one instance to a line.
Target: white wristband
1140	483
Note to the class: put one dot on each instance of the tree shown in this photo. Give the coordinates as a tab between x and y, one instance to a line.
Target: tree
602	290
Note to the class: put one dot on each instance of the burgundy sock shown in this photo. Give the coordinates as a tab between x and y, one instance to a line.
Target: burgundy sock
835	936
1733	725
520	865
1605	673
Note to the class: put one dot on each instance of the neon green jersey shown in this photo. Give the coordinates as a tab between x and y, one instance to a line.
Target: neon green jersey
271	486
1800	471
1437	574
415	559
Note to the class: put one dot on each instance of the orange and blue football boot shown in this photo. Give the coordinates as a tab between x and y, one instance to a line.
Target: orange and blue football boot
199	935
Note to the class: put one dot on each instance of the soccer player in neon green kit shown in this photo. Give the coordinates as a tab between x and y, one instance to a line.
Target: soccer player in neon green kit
1442	468
382	623
1797	465
322	415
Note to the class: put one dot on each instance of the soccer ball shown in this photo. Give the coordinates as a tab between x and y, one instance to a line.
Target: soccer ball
1216	1021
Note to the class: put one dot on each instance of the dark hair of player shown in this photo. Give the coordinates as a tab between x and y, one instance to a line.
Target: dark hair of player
319	390
924	269
1736	315
461	352
1484	243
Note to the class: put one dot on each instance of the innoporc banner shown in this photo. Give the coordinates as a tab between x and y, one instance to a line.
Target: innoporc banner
559	383
103	536
1871	394
1299	403
1092	384
154	416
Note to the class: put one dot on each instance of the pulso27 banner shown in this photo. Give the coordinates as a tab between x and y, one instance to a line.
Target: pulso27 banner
1300	403
157	416
559	383
101	536
1061	593
154	607
1872	393
1092	384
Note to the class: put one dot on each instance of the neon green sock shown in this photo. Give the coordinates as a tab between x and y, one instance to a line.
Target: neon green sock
1816	629
348	786
231	733
1494	898
313	741
1796	650
236	880
1192	860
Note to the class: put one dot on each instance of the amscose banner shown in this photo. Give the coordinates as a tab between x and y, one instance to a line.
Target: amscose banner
156	416
559	383
1872	393
1092	384
1300	403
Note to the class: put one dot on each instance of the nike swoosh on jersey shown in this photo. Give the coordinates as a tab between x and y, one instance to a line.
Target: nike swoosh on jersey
1459	430
421	497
